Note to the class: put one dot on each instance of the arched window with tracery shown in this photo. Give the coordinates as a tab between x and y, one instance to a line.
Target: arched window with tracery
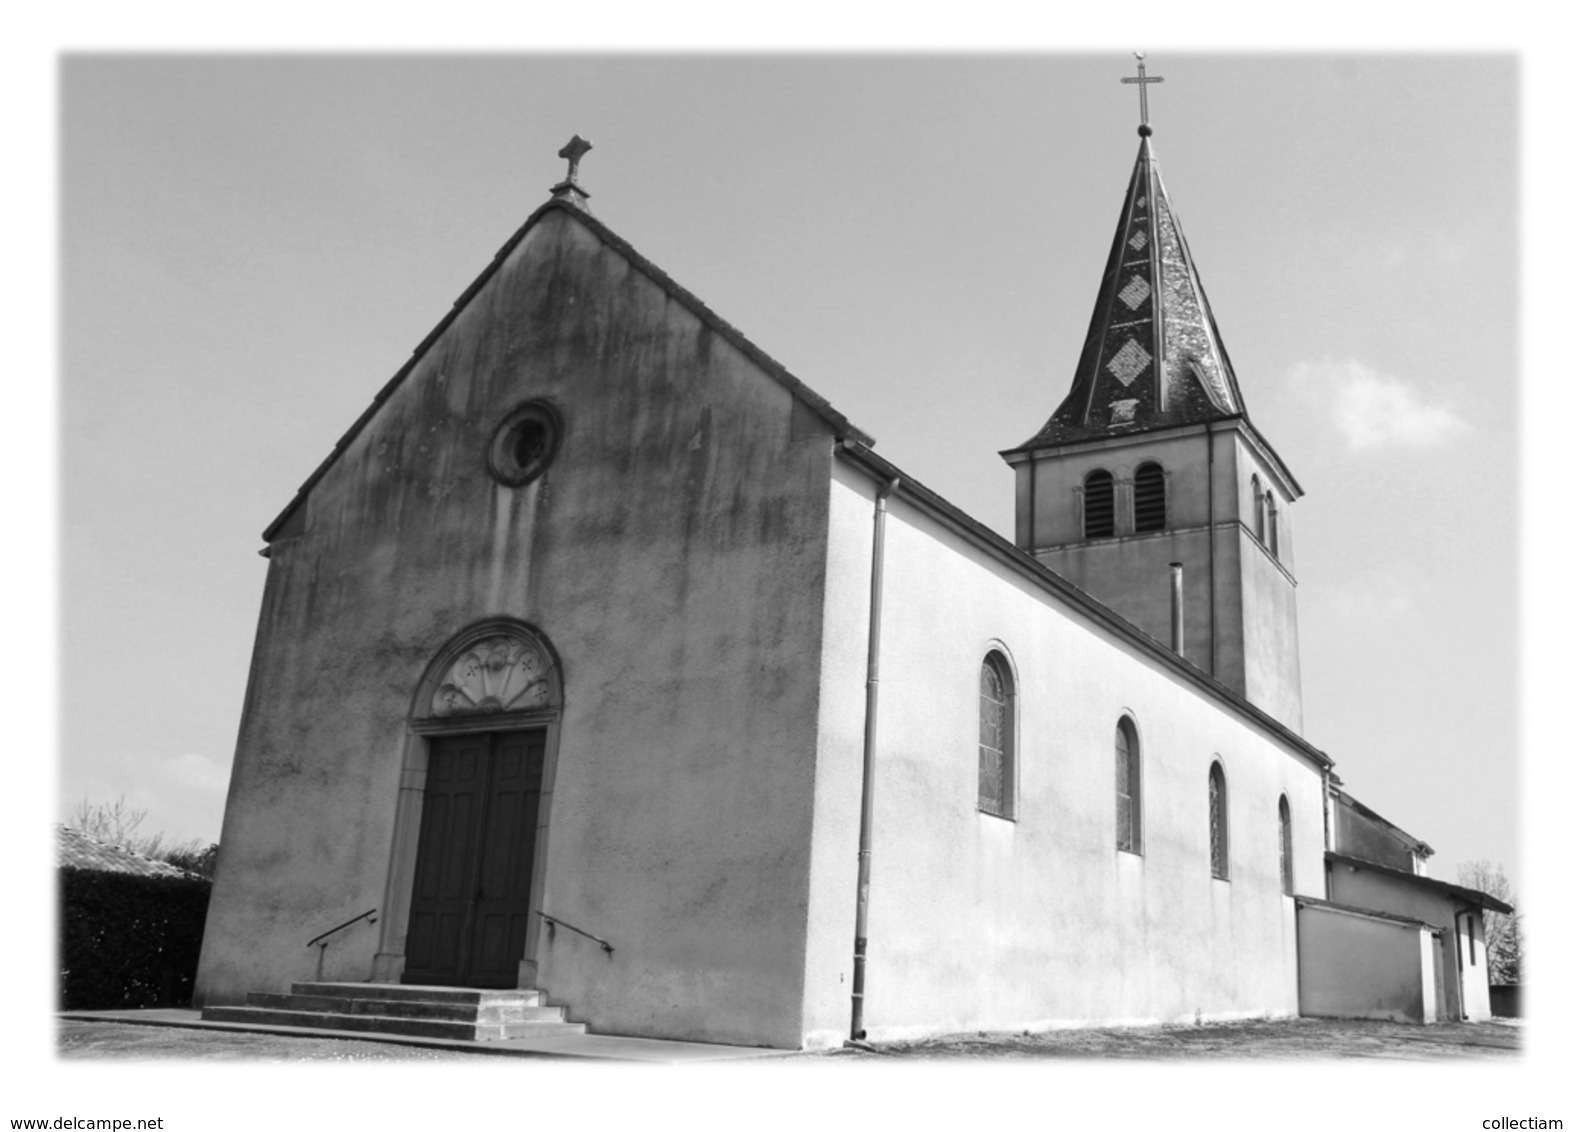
1098	505
1148	506
1128	787
996	741
1218	823
1286	854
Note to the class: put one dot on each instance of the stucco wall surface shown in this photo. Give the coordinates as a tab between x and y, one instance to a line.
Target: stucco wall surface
1355	967
1356	835
1465	982
1255	646
981	922
673	556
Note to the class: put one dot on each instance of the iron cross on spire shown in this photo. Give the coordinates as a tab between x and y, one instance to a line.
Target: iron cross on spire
1142	80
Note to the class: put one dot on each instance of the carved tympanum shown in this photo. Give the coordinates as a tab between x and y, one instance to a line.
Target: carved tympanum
495	674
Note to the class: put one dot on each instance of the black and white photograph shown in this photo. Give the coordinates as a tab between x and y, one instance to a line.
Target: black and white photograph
812	571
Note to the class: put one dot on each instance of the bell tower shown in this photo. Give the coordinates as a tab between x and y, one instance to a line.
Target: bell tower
1151	461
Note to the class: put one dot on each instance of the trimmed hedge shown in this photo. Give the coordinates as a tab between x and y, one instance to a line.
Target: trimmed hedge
129	941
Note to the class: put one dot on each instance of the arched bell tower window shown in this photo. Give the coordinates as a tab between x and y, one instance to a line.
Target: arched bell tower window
1148	498
1286	857
1098	505
1272	541
1259	524
996	738
1218	823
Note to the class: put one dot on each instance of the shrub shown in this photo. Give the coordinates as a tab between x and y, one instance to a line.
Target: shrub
129	941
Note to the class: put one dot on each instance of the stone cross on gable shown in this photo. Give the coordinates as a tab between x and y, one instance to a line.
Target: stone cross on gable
1142	80
574	150
568	188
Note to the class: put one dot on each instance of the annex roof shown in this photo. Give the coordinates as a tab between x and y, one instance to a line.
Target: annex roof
76	850
1363	913
1456	891
1414	843
571	203
1153	357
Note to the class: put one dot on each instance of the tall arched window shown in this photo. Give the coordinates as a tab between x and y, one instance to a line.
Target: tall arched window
1128	788
1098	505
1259	525
996	743
1218	823
1148	498
1272	541
1286	856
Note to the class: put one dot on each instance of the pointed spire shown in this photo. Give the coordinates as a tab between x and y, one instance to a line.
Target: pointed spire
568	188
1152	357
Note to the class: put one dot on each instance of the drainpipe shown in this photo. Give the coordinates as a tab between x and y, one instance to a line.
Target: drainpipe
1459	966
1213	586
871	718
1177	611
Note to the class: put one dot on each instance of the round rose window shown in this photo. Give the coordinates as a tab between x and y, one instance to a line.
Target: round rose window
525	443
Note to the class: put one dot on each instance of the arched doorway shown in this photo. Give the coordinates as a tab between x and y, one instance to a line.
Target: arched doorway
470	829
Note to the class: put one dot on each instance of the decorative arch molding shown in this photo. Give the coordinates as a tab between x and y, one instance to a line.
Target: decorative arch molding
499	666
499	674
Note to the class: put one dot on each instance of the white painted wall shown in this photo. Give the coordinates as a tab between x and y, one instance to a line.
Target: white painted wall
979	922
1465	982
1361	967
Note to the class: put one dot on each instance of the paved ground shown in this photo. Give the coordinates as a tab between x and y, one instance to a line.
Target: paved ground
1292	1039
124	1042
1296	1038
165	1034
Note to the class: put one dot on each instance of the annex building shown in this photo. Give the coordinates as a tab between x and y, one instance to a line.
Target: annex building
605	659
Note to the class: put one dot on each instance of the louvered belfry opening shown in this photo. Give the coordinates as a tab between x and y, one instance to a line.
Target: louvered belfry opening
1098	505
1148	498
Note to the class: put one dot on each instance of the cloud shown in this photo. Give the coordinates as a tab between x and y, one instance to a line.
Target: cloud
1376	597
1375	410
199	771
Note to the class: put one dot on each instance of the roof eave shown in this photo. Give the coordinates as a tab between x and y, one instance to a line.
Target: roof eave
1456	891
1005	551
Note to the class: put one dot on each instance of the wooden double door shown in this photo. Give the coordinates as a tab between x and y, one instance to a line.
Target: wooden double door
471	904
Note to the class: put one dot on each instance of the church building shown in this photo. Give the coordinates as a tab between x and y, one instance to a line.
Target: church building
603	659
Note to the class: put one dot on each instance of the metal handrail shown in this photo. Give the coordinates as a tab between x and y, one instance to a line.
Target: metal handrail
341	927
553	920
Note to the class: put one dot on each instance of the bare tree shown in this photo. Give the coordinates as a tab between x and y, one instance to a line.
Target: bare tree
114	822
117	823
1504	931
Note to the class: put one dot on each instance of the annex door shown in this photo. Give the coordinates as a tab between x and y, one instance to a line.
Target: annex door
471	902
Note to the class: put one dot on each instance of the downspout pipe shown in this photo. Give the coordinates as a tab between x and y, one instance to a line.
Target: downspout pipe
1213	584
1177	610
871	722
1459	964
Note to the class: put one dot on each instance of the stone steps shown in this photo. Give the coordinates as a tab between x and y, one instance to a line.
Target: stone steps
456	1013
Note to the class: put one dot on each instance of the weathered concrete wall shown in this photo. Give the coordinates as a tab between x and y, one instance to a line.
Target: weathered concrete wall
1356	835
1270	629
980	922
1357	967
1464	975
1249	638
673	555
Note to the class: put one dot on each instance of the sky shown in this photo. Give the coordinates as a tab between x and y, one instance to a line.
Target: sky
251	246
